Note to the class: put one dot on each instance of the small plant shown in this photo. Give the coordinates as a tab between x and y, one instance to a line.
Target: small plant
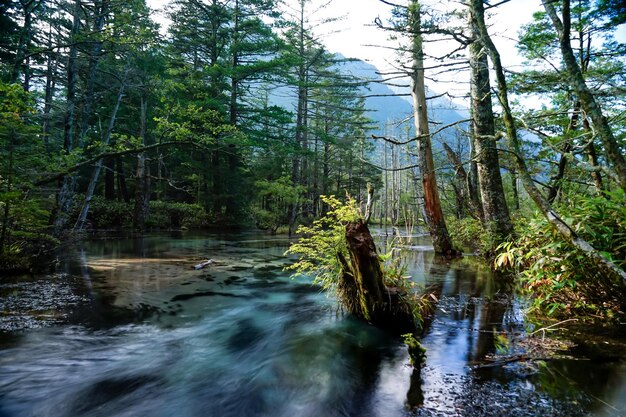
417	352
323	243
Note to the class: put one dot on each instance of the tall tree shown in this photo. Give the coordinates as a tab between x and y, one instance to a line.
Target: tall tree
495	209
433	213
588	102
608	267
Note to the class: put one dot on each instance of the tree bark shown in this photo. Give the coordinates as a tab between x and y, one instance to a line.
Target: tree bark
142	174
475	208
432	205
557	181
363	283
65	196
587	100
100	12
495	210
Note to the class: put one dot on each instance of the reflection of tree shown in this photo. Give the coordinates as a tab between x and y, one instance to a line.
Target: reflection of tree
439	267
415	395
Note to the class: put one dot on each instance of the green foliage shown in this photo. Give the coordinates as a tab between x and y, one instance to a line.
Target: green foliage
323	242
23	217
168	214
113	214
417	353
562	281
470	233
276	196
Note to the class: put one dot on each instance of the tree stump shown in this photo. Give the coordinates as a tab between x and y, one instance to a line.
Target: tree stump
363	285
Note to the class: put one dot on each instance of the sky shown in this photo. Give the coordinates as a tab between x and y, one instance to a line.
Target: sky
355	36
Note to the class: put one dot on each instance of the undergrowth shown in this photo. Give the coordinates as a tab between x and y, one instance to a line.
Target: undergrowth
562	281
322	246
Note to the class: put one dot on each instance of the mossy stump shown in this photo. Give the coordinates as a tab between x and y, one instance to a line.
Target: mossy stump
362	283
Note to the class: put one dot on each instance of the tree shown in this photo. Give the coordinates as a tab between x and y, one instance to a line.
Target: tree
21	216
494	207
542	204
587	100
433	214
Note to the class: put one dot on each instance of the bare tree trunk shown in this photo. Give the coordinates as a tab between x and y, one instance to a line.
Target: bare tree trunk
432	204
587	100
142	189
563	228
370	201
592	157
82	217
475	208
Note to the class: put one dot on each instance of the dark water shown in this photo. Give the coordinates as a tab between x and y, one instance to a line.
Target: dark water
127	327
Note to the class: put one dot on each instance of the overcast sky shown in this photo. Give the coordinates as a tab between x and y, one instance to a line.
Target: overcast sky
354	35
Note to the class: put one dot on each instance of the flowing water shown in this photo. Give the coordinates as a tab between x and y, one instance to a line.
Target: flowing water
127	327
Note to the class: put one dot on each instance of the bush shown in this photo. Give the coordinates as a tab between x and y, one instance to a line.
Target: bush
113	214
109	214
167	214
562	281
470	234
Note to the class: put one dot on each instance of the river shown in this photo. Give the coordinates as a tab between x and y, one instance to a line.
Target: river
127	327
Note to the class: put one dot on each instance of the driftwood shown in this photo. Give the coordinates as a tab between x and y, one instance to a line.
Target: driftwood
203	264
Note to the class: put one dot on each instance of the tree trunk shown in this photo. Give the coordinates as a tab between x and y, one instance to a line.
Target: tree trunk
26	34
592	157
432	205
109	178
495	210
514	189
363	285
122	190
557	181
9	188
475	207
82	217
544	206
100	11
51	66
587	100
142	189
65	195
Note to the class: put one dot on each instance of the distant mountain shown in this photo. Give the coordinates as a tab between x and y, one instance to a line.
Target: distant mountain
386	107
382	102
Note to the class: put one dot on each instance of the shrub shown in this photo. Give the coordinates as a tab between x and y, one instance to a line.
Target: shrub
562	281
469	233
168	214
113	214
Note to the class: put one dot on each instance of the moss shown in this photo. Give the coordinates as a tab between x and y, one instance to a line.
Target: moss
417	352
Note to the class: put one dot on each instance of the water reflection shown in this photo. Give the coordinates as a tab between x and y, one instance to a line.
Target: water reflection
153	336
